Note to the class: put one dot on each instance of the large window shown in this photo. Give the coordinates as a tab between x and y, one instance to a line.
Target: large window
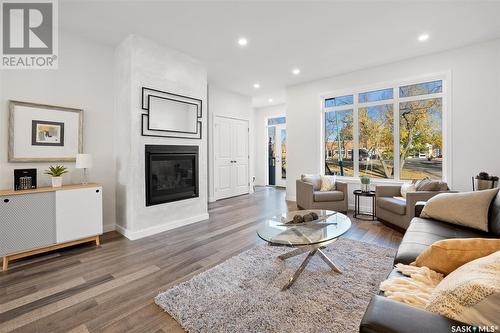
390	132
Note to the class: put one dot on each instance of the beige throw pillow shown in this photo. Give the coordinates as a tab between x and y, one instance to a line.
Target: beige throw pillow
328	183
315	180
462	294
469	209
407	187
446	255
427	184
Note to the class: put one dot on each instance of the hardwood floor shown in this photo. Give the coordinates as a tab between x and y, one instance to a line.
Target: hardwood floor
111	288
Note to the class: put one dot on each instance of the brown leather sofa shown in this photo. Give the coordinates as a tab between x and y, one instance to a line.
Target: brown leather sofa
385	315
309	196
396	210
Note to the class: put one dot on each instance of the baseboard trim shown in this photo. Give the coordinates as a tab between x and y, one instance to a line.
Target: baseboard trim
133	235
108	227
290	198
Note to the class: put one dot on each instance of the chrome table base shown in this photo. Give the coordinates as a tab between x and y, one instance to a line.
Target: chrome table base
313	250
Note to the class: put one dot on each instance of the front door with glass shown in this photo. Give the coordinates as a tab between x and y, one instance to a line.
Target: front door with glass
276	141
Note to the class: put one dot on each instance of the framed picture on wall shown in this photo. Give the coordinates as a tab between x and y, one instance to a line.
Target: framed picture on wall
44	133
47	133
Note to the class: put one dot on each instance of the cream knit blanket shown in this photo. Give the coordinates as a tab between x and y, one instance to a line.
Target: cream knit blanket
415	288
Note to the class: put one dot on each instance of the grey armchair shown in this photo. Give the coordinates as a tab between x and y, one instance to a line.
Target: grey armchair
310	197
392	208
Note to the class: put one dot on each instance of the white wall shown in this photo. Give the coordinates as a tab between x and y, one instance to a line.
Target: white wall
139	63
83	80
261	115
224	103
474	108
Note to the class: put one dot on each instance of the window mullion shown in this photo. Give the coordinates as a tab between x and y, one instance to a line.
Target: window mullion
420	97
376	103
356	136
395	108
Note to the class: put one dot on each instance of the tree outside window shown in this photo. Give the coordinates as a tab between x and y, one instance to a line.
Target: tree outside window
376	141
339	143
420	137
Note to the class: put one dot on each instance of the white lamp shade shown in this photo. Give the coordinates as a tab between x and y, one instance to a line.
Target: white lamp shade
83	161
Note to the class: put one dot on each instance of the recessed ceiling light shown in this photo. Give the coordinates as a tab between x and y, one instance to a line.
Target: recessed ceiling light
242	41
295	71
270	100
256	85
423	37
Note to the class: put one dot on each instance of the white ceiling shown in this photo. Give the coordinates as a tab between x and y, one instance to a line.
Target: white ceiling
321	38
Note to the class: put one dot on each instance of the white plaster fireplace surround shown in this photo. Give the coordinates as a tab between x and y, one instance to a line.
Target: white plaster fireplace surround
141	62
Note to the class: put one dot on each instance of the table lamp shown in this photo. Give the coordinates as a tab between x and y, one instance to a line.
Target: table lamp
83	161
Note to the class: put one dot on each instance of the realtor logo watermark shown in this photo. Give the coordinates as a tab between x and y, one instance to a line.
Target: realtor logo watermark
29	34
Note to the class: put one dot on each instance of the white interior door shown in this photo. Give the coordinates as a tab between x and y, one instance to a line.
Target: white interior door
240	156
280	151
231	157
222	158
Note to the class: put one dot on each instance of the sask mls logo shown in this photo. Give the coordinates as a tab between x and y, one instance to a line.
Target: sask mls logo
29	34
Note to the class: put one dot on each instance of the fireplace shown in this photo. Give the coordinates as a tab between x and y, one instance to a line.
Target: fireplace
171	173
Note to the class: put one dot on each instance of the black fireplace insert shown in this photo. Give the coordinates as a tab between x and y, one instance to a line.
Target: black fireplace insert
171	173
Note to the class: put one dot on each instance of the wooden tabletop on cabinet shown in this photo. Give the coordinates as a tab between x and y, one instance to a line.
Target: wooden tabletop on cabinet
48	189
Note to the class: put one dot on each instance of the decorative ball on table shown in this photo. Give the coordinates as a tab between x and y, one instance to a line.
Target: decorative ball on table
297	219
308	218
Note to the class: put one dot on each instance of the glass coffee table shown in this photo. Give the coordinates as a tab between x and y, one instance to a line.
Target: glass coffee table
305	237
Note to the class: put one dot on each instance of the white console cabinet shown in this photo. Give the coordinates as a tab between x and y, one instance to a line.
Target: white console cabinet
45	219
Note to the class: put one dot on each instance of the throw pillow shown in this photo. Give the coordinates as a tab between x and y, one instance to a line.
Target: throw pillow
328	183
315	180
468	209
443	186
407	187
463	293
427	184
446	255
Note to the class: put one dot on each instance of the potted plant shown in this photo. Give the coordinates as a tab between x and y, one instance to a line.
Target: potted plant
56	172
365	183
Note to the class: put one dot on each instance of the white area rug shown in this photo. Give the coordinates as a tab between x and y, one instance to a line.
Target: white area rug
243	294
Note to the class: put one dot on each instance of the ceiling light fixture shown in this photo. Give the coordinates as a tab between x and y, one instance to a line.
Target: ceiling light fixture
270	100
242	41
256	85
295	71
423	37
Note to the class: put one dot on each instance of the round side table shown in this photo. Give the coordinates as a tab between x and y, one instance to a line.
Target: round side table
359	193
